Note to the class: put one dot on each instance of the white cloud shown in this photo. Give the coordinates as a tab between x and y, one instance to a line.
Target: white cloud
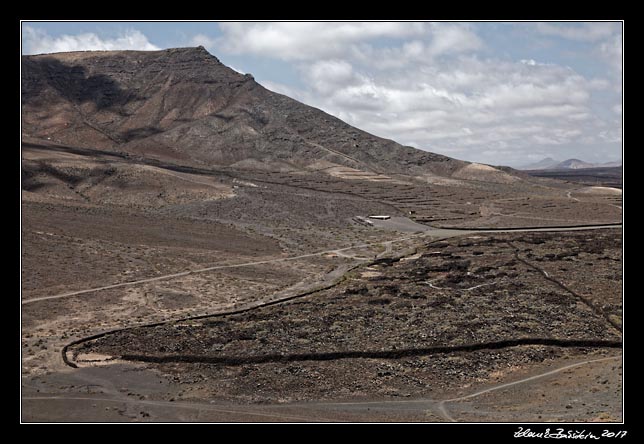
307	40
428	85
202	40
452	38
617	109
316	40
605	36
598	84
327	75
611	135
35	41
463	105
236	69
611	50
583	32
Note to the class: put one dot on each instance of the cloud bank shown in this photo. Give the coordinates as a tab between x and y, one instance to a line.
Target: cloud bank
530	91
35	41
440	87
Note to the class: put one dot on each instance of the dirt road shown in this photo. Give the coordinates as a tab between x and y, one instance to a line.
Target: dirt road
78	403
42	406
434	232
219	267
442	404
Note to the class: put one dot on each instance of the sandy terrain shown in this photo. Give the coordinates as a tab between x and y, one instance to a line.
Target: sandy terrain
193	248
215	241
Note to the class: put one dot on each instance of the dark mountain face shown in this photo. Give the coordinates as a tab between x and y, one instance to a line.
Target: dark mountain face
185	105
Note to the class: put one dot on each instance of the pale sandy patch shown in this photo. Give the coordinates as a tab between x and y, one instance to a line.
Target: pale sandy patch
486	173
601	190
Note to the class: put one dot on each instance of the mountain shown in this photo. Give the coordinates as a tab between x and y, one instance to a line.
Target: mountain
610	164
573	164
569	164
183	105
544	164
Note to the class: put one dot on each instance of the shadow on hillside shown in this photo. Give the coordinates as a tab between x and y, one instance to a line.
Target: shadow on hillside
72	82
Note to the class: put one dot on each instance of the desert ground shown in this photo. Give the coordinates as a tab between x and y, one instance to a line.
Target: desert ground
168	291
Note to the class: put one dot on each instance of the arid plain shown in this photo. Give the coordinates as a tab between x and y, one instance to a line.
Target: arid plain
194	248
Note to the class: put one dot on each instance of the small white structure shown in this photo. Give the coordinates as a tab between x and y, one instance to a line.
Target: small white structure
380	217
363	221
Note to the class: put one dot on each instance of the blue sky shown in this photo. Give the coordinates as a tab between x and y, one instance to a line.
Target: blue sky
493	92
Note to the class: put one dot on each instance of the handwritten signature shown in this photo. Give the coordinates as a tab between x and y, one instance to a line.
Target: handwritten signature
567	434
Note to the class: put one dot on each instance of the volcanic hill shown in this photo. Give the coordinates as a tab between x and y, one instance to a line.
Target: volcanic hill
184	105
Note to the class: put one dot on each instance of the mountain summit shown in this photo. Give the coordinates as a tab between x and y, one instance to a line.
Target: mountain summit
184	105
569	164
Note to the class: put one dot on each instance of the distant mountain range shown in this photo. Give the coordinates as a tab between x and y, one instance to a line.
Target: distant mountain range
570	164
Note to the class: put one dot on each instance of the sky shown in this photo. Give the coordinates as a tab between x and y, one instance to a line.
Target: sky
500	93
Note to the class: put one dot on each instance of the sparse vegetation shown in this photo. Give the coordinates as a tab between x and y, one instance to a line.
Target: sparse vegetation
228	197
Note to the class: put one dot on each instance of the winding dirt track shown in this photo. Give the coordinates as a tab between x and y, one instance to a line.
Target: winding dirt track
443	409
387	354
177	405
443	233
215	267
439	406
272	411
